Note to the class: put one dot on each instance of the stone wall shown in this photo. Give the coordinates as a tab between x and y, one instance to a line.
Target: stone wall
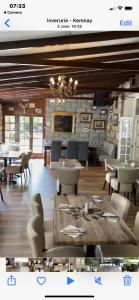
114	113
95	137
0	123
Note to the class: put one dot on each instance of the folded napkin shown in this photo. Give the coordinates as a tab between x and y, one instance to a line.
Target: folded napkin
62	206
107	214
110	217
97	198
73	231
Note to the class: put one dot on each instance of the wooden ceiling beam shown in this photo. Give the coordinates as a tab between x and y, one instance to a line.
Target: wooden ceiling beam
30	58
117	57
71	39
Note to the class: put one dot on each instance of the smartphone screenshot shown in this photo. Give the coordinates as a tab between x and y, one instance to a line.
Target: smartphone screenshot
69	149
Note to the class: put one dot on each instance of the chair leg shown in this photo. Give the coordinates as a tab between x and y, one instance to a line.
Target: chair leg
134	195
59	192
76	189
104	185
87	164
21	180
2	199
109	190
29	171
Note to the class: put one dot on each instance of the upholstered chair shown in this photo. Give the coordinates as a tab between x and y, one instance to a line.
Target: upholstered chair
37	208
56	150
108	175
72	150
125	181
36	237
14	169
67	182
123	250
83	152
121	205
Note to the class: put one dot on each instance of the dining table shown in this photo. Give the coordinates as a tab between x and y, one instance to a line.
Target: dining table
66	163
8	156
115	164
100	225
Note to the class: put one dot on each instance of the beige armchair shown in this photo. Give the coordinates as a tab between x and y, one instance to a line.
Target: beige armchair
108	176
1	194
125	181
121	205
36	237
123	250
14	169
67	182
37	208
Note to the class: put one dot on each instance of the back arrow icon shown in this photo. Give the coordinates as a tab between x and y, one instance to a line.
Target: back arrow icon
7	23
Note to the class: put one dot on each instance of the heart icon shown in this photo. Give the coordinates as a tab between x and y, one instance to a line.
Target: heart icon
41	280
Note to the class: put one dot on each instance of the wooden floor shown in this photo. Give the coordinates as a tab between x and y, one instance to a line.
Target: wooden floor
15	214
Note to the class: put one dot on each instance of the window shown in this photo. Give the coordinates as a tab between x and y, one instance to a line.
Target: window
26	130
10	135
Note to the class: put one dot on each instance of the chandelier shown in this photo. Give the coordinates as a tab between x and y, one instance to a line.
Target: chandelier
62	87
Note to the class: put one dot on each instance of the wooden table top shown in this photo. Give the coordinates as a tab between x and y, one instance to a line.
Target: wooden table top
98	231
116	164
66	163
10	154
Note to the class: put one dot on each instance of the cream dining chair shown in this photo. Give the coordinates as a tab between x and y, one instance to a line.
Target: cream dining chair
108	175
37	208
14	169
123	250
125	181
121	205
67	182
36	237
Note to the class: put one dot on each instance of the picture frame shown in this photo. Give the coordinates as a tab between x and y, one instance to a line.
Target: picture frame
85	117
115	120
99	124
63	122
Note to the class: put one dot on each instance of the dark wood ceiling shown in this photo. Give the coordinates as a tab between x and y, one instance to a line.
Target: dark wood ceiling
99	61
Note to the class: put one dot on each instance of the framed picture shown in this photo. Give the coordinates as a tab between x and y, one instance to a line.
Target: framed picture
115	120
85	117
99	124
63	122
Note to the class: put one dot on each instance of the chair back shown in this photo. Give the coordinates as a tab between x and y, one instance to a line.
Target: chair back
83	151
110	161
120	204
24	161
56	150
29	153
136	227
68	176
72	150
36	205
127	175
35	233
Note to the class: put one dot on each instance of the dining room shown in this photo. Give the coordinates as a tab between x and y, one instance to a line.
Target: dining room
69	144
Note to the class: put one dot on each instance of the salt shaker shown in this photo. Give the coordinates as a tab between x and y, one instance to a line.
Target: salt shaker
86	208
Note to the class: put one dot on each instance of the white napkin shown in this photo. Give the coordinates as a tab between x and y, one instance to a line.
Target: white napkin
73	231
112	220
107	214
62	206
96	199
